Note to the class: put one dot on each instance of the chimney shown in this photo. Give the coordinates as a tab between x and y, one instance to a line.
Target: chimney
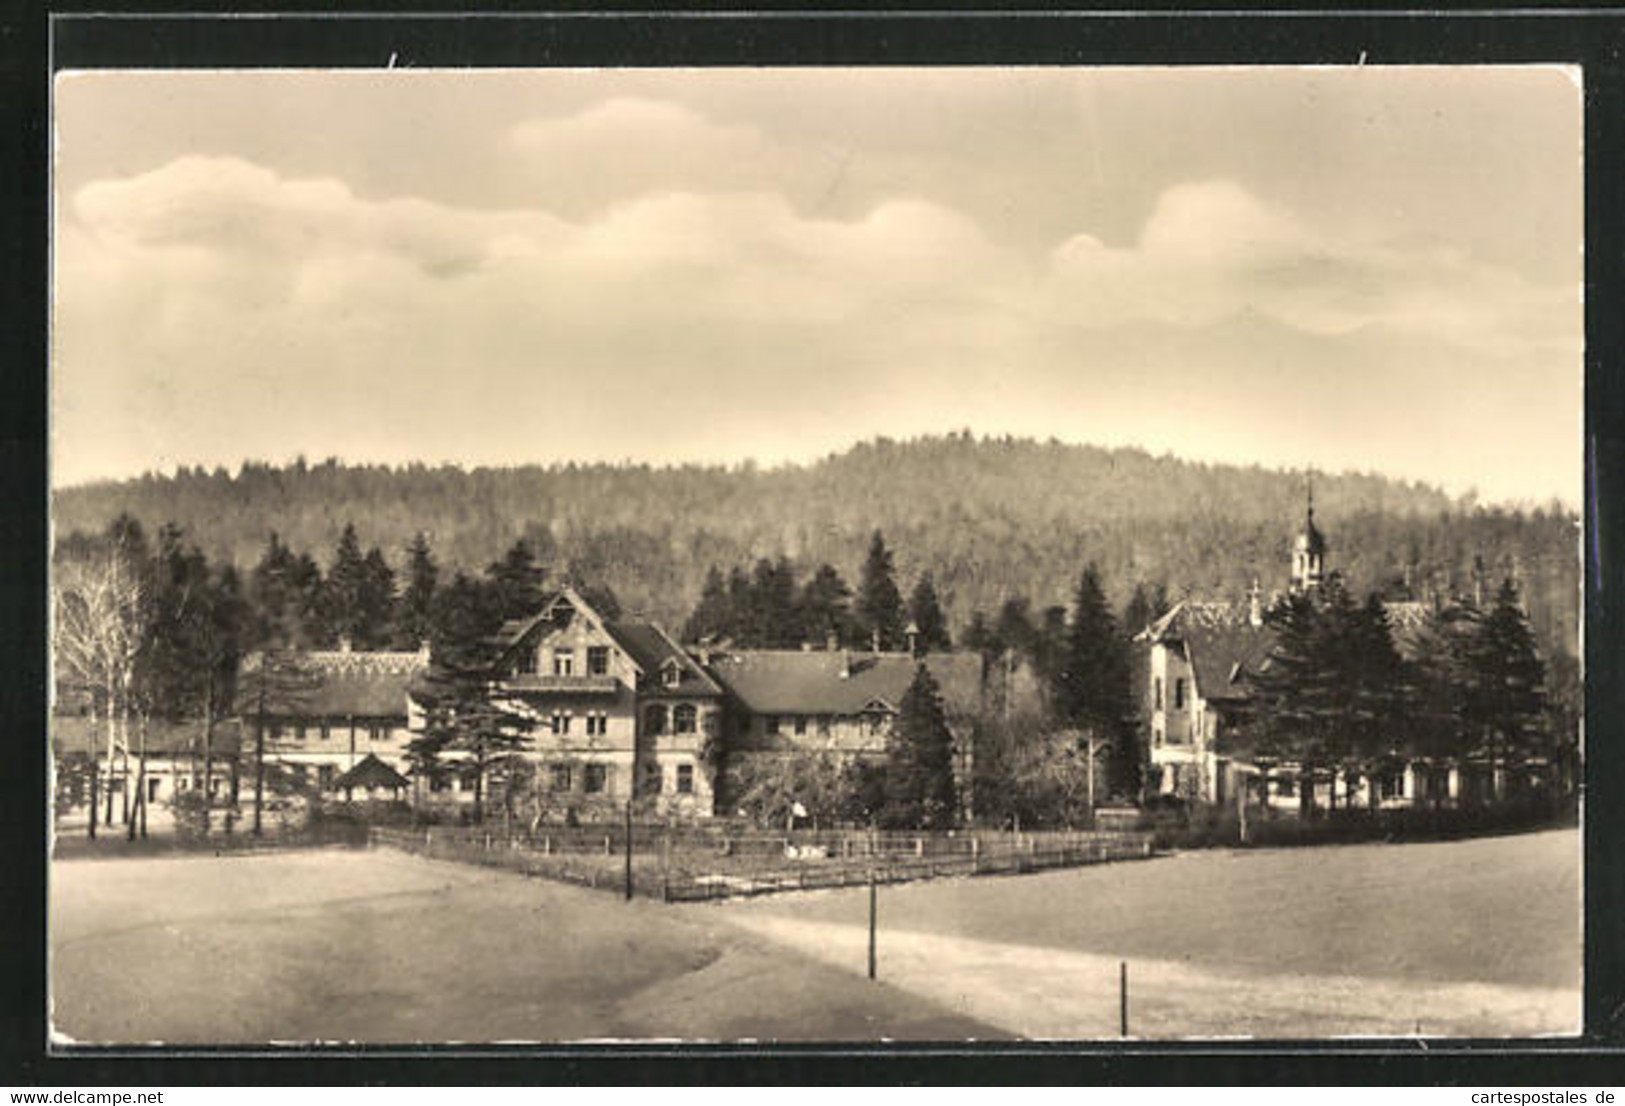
1255	604
874	640
344	643
806	647
913	633
423	649
846	665
832	641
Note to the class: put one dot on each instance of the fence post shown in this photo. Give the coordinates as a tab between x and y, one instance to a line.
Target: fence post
919	846
871	922
1122	996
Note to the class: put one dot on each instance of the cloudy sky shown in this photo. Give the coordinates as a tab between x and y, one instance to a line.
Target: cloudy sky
1365	268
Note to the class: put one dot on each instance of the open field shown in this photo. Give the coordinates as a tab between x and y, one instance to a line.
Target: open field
1464	938
337	945
1474	937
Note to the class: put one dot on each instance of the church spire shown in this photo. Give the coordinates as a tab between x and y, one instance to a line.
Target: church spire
1309	549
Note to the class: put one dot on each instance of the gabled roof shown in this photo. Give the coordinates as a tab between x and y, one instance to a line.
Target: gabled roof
369	771
343	683
773	681
1226	650
514	629
652	649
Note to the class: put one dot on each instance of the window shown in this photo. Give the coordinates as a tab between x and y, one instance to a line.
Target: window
801	725
1156	694
653	780
685	779
1286	786
709	722
325	775
564	662
299	733
771	723
654	719
594	778
152	788
1156	737
378	731
438	783
598	660
274	731
561	722
527	663
671	674
597	723
326	732
1179	693
561	777
823	725
684	718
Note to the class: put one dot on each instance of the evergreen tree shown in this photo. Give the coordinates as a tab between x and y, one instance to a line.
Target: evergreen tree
739	627
1015	628
710	617
920	791
1091	682
880	605
463	721
978	636
376	609
517	581
1505	693
414	620
772	621
466	612
926	614
346	591
826	608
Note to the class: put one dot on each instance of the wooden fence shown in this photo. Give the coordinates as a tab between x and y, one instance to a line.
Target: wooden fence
686	865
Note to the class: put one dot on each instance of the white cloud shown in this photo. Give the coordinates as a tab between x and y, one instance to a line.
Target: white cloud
213	309
1211	250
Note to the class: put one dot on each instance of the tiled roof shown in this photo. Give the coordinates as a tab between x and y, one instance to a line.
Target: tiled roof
344	684
1225	649
79	733
652	648
771	681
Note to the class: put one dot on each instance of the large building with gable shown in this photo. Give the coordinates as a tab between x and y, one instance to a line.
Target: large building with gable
1201	658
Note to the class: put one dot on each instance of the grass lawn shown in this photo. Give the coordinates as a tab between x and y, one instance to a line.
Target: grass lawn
336	945
1476	937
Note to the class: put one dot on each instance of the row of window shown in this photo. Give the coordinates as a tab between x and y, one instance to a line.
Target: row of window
873	722
564	661
597	722
1179	692
683	718
654	779
375	731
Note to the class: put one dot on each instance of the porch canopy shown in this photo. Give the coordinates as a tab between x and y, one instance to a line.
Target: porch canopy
371	773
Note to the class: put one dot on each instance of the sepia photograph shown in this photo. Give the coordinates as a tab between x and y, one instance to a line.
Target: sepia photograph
814	554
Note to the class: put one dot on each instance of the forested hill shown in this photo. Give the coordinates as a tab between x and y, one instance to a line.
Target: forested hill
989	517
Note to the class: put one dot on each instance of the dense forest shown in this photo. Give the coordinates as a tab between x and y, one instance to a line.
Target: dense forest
988	518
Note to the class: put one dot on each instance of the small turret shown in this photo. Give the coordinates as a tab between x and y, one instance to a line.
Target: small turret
1308	551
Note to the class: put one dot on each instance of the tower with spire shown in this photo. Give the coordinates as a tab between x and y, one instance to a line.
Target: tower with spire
1308	551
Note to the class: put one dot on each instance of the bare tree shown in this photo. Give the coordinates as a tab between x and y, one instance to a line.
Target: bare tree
97	638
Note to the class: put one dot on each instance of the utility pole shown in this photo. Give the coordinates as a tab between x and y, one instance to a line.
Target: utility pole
871	919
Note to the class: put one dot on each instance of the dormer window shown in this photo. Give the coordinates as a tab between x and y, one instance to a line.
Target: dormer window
526	665
598	660
671	674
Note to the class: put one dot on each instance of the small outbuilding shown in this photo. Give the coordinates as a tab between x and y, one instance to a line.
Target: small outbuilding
372	775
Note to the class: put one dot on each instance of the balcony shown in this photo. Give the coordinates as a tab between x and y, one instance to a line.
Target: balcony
565	685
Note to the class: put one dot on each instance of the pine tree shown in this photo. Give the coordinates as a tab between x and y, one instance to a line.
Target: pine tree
376	601
920	790
710	617
772	621
826	608
414	620
880	605
926	614
1505	701
517	581
346	591
1091	682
